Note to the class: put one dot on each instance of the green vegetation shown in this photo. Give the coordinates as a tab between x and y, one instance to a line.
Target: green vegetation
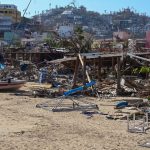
79	42
143	69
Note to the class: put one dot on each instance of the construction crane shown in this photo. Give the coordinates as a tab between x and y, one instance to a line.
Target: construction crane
27	8
25	11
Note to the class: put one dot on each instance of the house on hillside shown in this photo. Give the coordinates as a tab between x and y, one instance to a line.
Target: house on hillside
65	31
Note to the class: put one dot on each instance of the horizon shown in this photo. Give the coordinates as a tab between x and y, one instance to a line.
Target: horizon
104	7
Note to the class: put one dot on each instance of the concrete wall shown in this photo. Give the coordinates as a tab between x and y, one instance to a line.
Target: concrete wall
121	35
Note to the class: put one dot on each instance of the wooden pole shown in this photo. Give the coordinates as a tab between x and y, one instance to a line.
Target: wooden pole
118	75
99	68
75	72
87	74
138	57
147	74
16	56
95	66
23	56
30	57
113	64
84	70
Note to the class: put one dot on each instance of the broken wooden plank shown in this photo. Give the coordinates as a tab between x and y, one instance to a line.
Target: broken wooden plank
138	57
82	63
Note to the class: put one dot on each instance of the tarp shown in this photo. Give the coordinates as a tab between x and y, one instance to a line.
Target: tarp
2	66
72	91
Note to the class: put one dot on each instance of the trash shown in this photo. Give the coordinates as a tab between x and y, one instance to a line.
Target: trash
138	124
110	117
121	104
42	75
23	67
90	113
2	66
43	90
146	144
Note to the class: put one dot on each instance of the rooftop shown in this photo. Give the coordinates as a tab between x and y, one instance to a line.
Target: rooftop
8	6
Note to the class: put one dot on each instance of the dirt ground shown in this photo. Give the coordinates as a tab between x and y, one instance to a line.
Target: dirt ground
25	127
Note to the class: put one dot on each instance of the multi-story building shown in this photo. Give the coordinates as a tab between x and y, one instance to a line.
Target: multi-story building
8	10
5	23
147	27
9	15
65	31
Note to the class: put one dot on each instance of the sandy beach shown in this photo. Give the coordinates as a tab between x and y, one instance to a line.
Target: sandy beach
25	127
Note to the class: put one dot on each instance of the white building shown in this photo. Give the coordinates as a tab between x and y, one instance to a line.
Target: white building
85	27
8	6
8	10
24	41
65	31
8	15
39	37
67	12
5	23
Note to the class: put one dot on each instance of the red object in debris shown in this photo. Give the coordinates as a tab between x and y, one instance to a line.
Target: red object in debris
148	39
11	84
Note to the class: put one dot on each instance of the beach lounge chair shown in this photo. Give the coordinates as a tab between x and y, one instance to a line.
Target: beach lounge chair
70	93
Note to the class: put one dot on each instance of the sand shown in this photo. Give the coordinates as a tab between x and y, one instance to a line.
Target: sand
25	127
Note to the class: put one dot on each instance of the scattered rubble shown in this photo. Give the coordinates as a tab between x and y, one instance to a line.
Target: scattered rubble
102	75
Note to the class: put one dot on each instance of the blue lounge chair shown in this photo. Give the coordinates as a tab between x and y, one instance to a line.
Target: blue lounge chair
73	91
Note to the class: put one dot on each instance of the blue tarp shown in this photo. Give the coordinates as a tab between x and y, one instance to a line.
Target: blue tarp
121	104
72	91
2	66
24	67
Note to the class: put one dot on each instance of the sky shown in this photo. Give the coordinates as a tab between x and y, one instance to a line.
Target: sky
141	6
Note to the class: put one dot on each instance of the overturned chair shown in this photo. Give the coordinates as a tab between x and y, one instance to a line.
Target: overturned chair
62	103
138	125
75	104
